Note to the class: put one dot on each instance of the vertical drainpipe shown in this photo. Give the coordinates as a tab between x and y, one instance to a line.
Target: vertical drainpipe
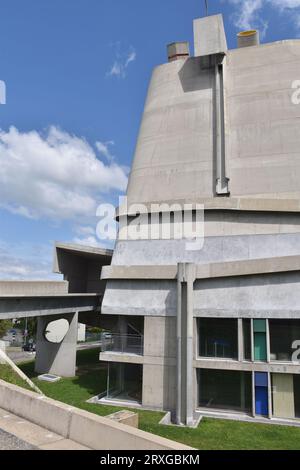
185	344
179	346
222	182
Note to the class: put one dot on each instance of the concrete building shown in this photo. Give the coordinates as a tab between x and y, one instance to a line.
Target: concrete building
60	306
214	329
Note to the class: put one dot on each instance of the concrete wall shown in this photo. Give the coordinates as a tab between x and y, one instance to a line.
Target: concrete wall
263	124
173	156
159	362
32	288
265	296
81	266
58	359
80	426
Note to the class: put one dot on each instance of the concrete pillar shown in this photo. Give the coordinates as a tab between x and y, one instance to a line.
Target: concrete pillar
270	407
268	341
253	396
240	340
52	358
123	332
242	391
252	341
185	346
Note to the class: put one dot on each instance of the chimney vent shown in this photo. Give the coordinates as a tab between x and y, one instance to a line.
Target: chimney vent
178	50
248	38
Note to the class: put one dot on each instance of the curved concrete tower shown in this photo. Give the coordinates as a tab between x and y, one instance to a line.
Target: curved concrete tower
220	129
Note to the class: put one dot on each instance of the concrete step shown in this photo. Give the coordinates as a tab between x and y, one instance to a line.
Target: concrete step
35	435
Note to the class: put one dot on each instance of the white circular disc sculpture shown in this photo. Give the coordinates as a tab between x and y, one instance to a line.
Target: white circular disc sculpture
56	331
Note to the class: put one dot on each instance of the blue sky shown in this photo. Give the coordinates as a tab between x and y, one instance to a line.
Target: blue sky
76	73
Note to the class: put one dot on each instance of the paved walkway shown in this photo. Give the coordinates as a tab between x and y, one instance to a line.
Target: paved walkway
18	433
10	442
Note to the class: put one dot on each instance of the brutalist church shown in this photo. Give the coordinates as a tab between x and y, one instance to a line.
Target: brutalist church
214	330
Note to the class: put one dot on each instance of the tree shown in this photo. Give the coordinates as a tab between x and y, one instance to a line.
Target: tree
4	326
31	326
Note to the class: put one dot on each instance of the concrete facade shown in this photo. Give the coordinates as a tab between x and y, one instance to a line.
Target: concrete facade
77	297
198	330
219	129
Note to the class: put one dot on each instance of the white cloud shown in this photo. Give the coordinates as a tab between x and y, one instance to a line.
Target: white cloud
56	175
103	149
121	62
25	262
248	12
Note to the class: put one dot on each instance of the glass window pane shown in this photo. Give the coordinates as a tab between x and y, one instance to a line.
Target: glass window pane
227	390
282	335
218	338
247	339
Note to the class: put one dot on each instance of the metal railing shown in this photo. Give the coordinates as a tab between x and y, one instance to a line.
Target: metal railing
131	344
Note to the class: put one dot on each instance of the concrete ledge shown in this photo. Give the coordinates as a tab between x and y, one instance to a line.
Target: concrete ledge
33	288
206	271
121	357
87	429
41	305
244	204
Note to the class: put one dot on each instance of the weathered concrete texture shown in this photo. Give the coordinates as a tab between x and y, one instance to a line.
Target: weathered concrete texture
20	307
159	354
81	266
178	50
25	435
220	364
240	268
262	296
159	371
209	35
265	296
32	288
140	298
263	137
173	156
215	248
58	359
85	428
125	417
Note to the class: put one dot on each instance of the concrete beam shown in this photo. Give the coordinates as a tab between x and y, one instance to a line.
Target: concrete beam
244	204
32	288
206	271
23	306
273	367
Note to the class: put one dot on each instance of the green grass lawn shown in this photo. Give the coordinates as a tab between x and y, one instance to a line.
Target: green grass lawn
9	375
212	434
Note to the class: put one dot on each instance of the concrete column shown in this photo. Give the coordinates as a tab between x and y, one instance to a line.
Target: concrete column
185	346
240	340
253	396
270	396
252	340
242	391
268	341
52	358
123	332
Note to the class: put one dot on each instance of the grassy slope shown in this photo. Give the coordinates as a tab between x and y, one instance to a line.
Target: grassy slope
9	375
211	434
